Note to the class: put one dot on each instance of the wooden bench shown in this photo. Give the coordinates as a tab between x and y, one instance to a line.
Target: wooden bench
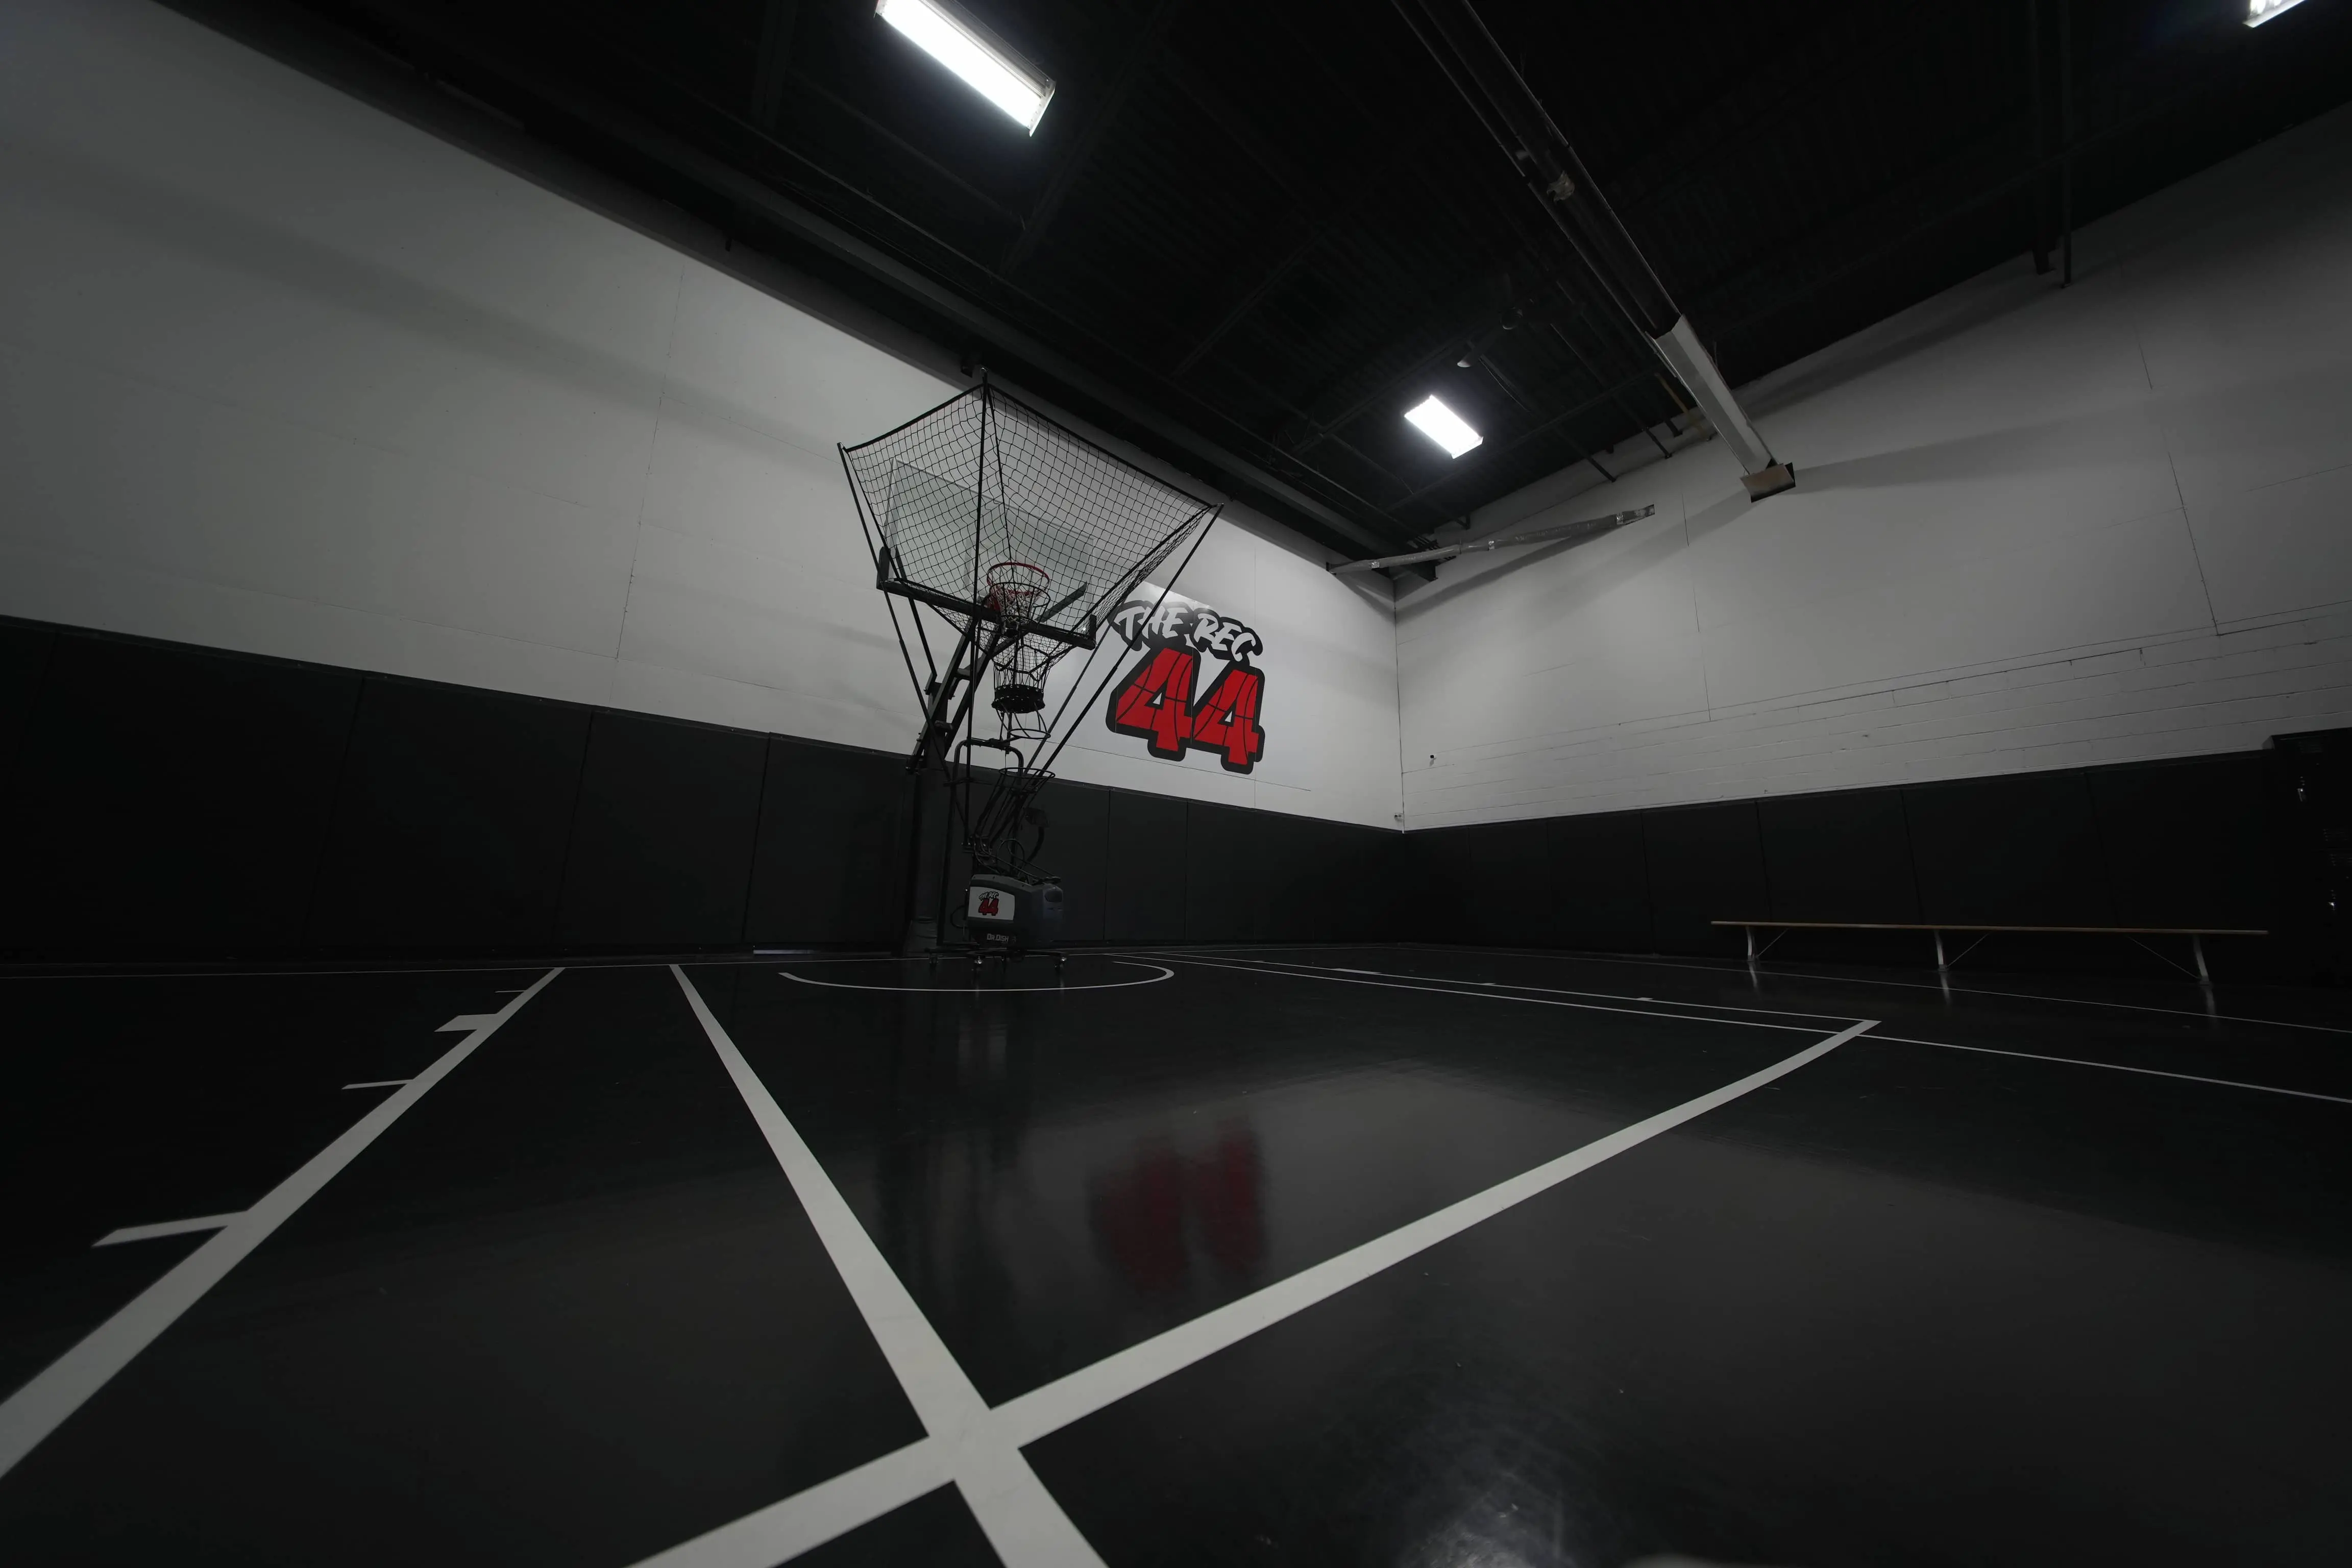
2196	934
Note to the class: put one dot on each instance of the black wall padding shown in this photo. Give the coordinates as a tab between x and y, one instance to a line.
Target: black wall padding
661	848
832	857
1077	849
24	656
172	797
2189	842
451	824
1600	874
1841	855
1706	863
1145	895
2021	849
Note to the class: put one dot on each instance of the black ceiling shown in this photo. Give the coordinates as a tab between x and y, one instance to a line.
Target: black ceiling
1249	235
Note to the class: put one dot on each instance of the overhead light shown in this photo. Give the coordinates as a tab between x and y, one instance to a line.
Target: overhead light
943	32
2260	11
1443	426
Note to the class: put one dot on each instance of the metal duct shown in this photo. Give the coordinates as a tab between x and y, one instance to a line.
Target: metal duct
1590	528
1515	117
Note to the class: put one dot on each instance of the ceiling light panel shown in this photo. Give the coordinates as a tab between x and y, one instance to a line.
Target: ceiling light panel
1443	426
969	49
2260	11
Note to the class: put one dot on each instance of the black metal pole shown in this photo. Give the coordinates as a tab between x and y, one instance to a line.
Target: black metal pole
2066	139
2040	207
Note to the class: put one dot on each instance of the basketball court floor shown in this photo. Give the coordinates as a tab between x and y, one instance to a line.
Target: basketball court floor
1387	1255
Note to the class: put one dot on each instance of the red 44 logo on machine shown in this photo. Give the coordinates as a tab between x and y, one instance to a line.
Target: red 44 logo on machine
1156	701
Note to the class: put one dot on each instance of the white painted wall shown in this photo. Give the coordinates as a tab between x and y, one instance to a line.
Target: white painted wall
2032	529
282	374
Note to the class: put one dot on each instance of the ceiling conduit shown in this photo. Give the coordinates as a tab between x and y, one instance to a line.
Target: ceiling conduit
1513	115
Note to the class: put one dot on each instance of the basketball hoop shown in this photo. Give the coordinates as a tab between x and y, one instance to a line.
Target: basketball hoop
1016	589
1073	529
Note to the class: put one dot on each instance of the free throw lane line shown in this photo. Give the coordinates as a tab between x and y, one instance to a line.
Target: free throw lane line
1033	1414
2117	1067
166	1228
807	1520
1016	1512
38	1408
784	1529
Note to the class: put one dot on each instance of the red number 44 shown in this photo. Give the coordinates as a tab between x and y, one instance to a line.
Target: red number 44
1155	701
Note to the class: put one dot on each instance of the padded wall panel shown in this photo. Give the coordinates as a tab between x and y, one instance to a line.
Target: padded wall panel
1600	880
1237	865
662	837
451	821
2186	843
1144	896
23	655
2020	849
830	867
1705	863
1503	889
1077	850
1845	855
174	798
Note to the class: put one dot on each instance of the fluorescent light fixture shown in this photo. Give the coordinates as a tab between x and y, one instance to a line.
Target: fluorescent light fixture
973	53
1443	426
2260	11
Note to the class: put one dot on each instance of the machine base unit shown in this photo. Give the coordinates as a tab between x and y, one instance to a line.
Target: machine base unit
1012	913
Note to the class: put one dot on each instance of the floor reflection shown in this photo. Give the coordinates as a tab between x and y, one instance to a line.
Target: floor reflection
1160	1209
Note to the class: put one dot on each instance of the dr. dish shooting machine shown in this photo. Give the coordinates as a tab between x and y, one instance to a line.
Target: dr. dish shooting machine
1020	536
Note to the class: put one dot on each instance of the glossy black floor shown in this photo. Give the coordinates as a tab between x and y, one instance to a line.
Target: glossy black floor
1908	1303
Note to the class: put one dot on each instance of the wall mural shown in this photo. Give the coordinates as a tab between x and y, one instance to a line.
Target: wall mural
1155	702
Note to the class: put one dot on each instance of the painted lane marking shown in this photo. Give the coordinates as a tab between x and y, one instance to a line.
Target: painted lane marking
165	1227
1033	1414
1287	964
59	1389
2119	1067
1921	985
1015	1511
1165	973
378	1083
467	1023
782	1530
1494	993
807	1520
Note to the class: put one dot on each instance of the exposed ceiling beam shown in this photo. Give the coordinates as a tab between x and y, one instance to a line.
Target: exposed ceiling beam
1133	69
775	62
1238	306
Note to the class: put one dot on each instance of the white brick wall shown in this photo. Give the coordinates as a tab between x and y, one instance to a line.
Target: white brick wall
2032	529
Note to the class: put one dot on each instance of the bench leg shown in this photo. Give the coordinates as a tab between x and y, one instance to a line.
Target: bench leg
2197	950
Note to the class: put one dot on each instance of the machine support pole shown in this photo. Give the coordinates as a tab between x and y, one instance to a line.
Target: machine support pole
1940	964
2197	951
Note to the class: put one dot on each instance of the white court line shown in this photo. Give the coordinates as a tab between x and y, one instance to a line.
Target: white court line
1728	967
806	1520
1066	1399
466	1023
165	1227
1287	964
1015	1511
1165	973
59	1389
2119	1067
930	1375
1944	1045
378	1083
1492	993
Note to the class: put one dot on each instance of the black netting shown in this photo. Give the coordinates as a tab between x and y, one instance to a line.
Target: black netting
981	481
